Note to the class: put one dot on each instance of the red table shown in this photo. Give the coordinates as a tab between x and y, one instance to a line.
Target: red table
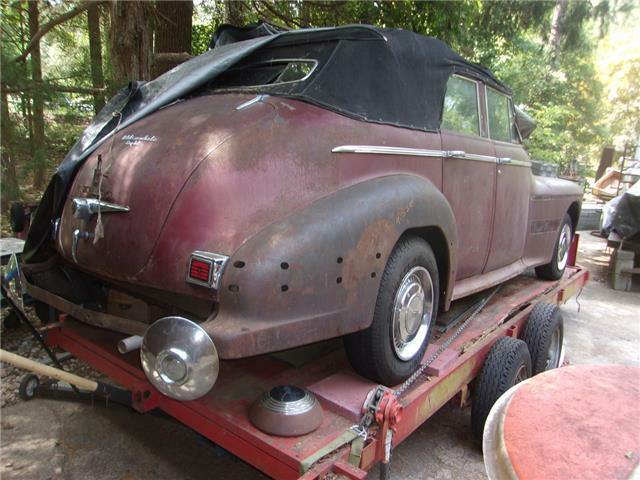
573	422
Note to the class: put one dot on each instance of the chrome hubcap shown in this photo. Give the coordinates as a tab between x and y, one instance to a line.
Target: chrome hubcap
412	312
564	243
554	352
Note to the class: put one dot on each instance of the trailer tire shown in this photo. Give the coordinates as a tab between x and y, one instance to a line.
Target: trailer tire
507	363
379	353
544	335
28	385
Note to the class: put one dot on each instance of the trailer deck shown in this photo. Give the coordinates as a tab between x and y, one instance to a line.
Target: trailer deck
222	415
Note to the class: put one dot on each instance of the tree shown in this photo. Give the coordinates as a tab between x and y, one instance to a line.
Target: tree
38	141
95	49
172	35
10	186
131	40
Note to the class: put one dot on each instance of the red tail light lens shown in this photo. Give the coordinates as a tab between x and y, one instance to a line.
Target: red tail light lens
200	270
206	268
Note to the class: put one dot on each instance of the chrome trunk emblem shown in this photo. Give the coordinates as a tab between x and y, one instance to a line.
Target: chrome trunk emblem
85	208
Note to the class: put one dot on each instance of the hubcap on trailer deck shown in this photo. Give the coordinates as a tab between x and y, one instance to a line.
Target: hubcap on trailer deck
412	312
563	246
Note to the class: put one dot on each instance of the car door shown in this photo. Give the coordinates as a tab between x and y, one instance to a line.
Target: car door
513	183
468	172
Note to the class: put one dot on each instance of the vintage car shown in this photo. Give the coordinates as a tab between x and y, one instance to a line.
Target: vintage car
292	188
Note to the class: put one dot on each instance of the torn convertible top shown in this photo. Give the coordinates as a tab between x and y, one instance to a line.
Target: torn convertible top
393	77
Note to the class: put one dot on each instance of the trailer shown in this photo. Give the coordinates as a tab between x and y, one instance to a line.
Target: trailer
361	422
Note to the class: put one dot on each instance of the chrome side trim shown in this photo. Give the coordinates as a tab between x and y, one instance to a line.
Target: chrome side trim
515	163
416	152
474	157
419	152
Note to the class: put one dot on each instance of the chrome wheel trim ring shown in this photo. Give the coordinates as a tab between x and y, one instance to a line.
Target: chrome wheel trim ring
564	242
554	354
521	374
412	313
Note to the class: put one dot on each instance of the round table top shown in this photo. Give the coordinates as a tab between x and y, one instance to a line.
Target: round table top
572	422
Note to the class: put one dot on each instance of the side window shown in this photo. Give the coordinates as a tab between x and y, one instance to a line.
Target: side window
461	106
501	124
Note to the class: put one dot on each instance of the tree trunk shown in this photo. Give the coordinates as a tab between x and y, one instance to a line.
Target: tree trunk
95	51
234	12
130	39
38	139
173	33
555	38
10	185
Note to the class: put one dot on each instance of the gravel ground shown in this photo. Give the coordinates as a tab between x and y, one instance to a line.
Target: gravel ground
19	340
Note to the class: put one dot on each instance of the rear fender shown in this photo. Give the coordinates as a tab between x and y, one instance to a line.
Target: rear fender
315	274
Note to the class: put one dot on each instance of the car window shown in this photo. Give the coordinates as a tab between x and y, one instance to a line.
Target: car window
500	117
461	106
273	72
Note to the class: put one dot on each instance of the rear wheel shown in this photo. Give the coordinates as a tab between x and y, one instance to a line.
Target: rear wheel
555	268
507	364
544	335
391	349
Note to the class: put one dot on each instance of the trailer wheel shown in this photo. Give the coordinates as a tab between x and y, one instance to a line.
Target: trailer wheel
28	385
544	335
507	364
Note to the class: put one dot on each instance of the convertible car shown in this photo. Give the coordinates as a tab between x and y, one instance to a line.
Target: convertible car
290	188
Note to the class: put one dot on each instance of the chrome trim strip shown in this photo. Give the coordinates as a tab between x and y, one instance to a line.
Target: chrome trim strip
474	157
515	163
419	152
416	152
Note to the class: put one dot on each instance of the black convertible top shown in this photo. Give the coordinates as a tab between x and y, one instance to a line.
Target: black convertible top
388	76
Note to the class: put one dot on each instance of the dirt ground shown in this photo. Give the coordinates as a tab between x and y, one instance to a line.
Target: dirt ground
47	439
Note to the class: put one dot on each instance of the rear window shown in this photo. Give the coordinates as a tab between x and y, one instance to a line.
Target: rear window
282	69
273	72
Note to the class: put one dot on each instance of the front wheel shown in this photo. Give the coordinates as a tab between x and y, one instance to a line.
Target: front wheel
555	268
391	349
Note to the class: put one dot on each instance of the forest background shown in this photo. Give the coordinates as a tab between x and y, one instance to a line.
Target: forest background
573	65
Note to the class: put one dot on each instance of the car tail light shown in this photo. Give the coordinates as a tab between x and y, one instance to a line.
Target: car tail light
206	268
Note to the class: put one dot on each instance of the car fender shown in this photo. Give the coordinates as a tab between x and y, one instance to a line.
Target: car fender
315	274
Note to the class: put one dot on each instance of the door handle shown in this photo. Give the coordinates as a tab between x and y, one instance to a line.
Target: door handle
505	161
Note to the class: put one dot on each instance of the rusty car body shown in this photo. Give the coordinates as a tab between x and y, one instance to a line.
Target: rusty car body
267	214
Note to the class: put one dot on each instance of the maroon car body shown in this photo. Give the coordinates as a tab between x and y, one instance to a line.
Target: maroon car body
307	203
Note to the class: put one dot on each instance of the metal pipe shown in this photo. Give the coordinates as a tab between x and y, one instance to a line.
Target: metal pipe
129	344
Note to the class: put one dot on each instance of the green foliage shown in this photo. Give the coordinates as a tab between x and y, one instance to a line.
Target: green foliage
579	102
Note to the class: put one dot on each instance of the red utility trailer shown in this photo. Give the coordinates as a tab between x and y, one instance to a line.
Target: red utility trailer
222	415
